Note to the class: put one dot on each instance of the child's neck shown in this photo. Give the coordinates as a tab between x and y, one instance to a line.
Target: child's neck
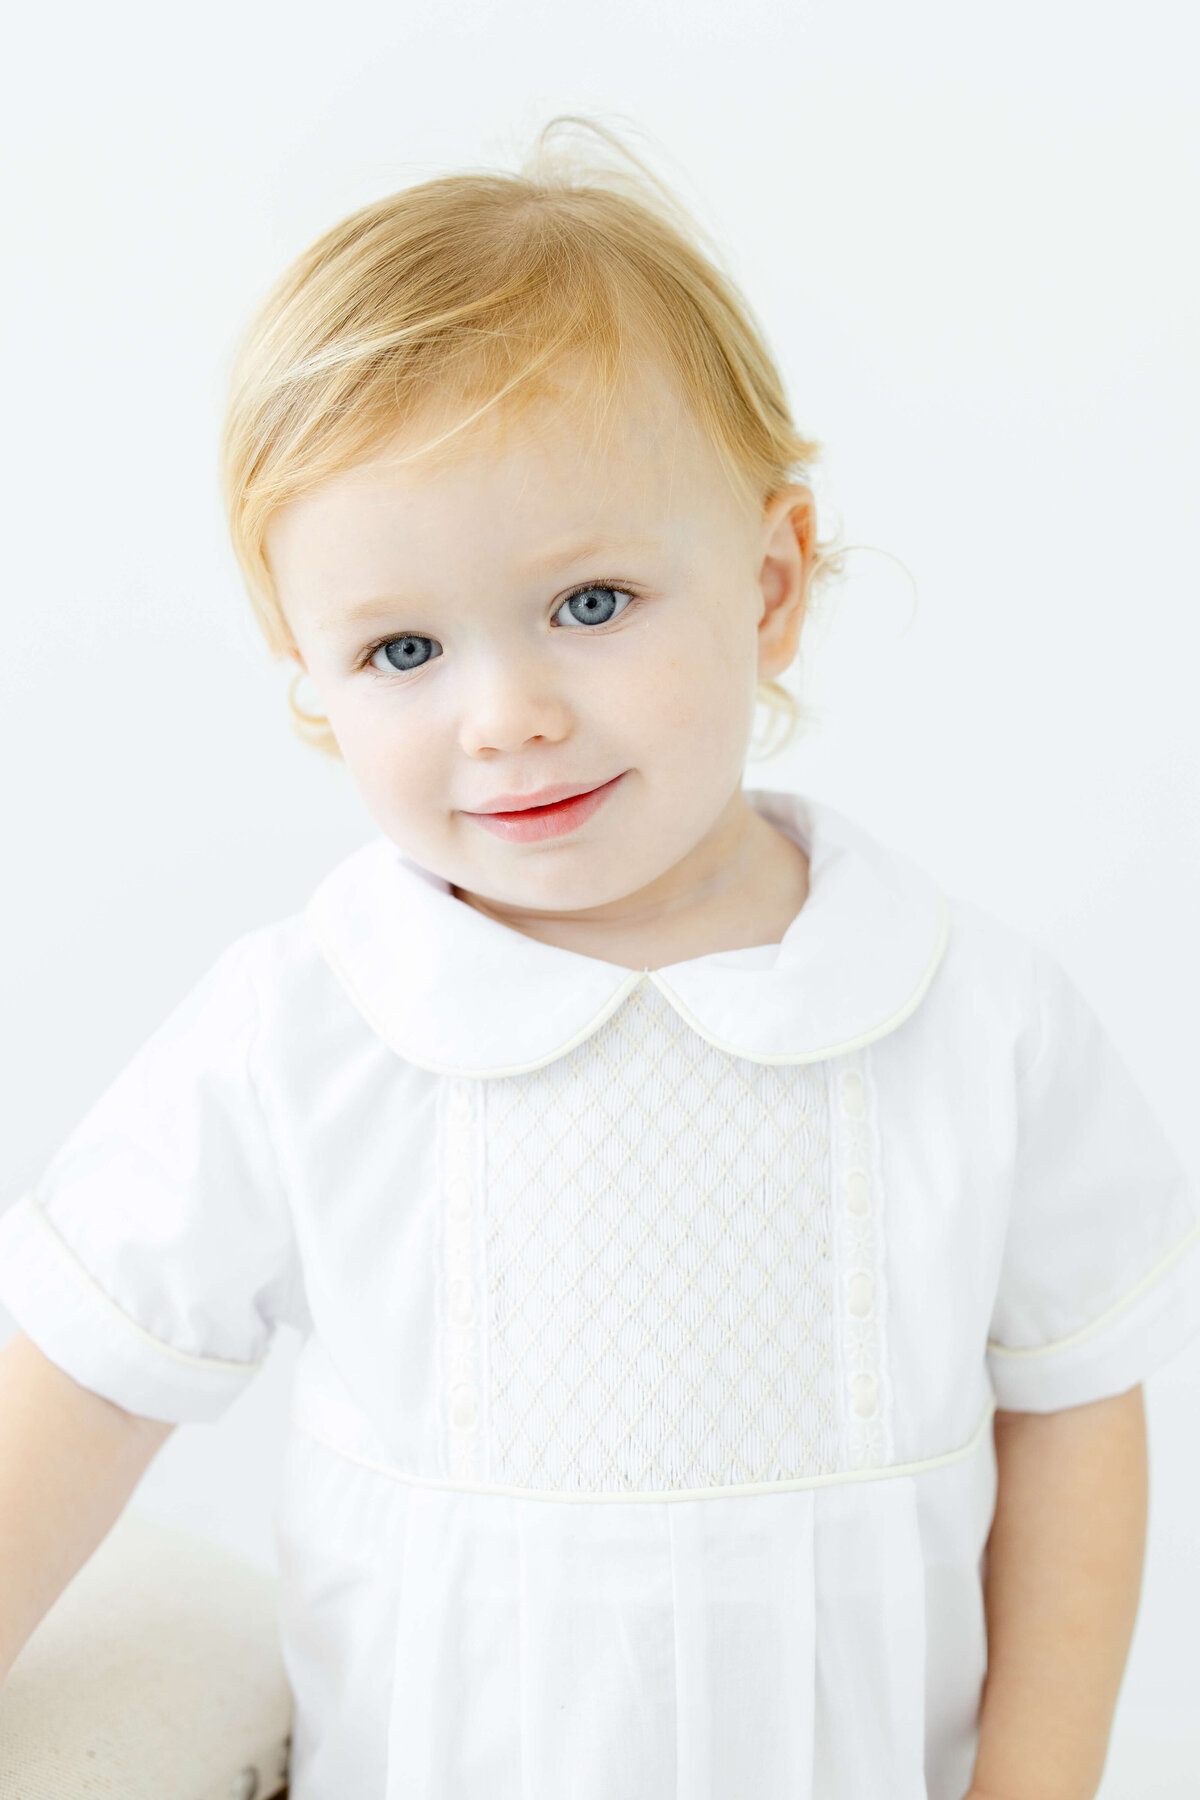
760	886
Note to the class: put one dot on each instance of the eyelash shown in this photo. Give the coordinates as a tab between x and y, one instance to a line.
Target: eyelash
583	588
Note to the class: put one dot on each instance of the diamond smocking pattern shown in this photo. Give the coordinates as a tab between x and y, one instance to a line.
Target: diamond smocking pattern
659	1275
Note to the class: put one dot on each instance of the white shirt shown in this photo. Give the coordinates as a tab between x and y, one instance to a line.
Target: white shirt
652	1320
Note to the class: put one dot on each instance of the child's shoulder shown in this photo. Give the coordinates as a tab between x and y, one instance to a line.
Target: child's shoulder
986	978
988	946
1001	980
281	970
979	960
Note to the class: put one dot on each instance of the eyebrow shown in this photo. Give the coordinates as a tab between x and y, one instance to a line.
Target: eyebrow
562	556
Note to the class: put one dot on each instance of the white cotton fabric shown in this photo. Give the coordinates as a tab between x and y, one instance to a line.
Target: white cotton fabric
653	1320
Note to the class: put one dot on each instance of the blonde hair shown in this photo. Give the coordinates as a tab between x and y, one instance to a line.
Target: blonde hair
475	287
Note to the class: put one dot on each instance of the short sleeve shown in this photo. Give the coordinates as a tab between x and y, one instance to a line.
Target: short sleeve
1100	1282
153	1259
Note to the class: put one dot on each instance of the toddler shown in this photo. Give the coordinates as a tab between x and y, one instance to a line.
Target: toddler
725	1265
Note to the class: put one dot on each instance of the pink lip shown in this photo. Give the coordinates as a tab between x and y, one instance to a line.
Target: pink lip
547	796
537	818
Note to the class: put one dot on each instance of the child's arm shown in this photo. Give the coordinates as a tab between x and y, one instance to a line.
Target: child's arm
69	1461
1064	1570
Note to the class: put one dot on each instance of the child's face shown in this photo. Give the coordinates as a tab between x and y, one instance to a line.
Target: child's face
430	607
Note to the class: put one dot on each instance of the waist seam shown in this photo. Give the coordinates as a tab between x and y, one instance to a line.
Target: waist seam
887	1472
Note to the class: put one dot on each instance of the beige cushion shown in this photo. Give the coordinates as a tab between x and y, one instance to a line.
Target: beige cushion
156	1675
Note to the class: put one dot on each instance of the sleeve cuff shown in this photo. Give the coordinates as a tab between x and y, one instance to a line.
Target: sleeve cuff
74	1322
1154	1320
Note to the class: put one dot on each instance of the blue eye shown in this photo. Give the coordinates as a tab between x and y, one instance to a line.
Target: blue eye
594	605
597	604
403	653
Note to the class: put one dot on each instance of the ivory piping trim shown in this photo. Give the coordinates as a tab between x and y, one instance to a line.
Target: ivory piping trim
732	1491
825	1050
88	1281
1085	1331
355	994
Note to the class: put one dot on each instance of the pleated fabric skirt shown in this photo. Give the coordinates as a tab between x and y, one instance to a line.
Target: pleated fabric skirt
825	1643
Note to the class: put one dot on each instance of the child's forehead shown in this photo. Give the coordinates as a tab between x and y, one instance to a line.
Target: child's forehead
529	487
538	491
634	430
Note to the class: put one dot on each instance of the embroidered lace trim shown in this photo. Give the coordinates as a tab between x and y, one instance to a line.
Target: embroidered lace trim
459	1309
860	1278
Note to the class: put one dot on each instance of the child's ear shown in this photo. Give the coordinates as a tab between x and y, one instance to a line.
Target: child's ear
789	531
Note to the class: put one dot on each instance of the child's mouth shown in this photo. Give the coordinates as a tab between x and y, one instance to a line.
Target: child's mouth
535	822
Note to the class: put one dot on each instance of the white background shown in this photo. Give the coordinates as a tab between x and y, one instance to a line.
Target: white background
970	234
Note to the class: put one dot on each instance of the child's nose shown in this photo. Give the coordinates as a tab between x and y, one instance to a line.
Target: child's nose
510	702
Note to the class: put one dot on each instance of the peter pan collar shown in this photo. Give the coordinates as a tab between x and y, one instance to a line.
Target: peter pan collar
457	992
